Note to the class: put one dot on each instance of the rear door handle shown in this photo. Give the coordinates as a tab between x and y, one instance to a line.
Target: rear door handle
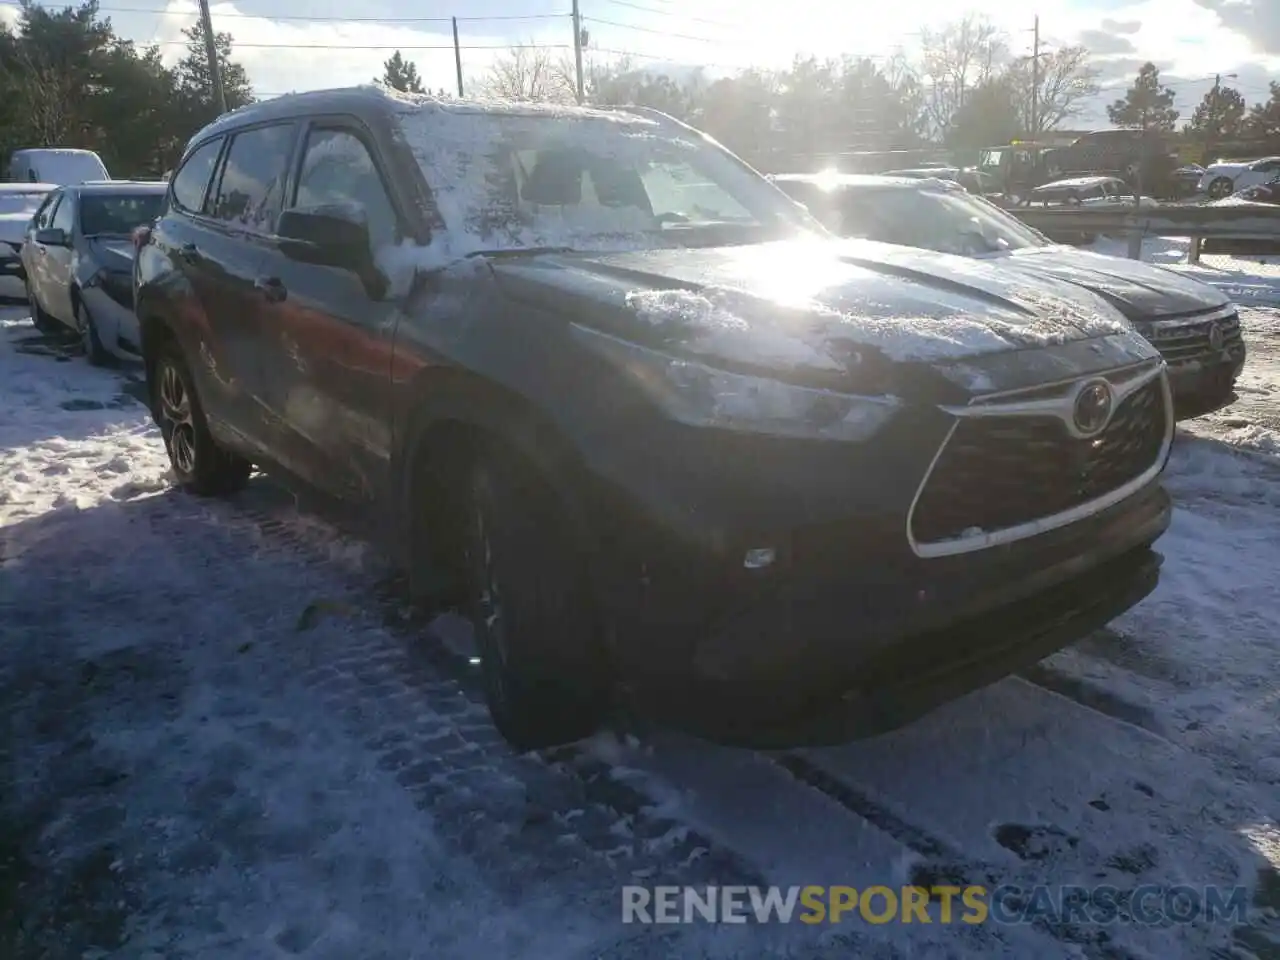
272	288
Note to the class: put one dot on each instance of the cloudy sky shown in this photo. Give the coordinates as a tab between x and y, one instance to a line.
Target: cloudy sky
298	46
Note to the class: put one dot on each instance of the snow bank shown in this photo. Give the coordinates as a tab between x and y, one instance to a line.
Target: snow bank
69	437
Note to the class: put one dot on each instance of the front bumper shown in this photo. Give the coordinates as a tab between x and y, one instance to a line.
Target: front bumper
1205	355
927	670
861	636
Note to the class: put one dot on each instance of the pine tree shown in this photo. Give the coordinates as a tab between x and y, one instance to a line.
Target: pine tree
401	74
1264	118
1146	104
1218	118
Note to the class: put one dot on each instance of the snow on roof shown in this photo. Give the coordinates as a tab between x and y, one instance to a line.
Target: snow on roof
833	181
22	186
510	108
55	151
1076	182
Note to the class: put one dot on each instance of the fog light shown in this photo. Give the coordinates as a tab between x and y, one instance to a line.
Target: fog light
759	558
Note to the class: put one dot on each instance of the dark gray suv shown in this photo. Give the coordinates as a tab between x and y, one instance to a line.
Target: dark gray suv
617	397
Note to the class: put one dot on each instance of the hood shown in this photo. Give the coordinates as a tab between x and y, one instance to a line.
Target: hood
114	253
1228	169
814	305
1141	291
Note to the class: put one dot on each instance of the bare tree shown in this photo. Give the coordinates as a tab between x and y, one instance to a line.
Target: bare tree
956	59
46	95
529	72
1067	80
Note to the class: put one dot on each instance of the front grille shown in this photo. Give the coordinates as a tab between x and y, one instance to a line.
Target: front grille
1189	342
998	472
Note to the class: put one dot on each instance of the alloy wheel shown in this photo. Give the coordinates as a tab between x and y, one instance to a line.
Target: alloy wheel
177	420
489	610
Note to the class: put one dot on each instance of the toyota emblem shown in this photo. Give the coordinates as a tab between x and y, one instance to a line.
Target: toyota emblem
1092	408
1216	338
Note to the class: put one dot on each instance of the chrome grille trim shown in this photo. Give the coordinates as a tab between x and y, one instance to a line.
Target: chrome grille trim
1125	381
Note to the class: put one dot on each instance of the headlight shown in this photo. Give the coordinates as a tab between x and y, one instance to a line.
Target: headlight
702	396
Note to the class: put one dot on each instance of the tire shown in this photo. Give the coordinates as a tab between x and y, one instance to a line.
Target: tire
1220	188
94	351
201	466
534	616
42	321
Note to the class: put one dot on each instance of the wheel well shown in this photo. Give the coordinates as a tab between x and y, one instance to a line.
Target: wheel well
475	416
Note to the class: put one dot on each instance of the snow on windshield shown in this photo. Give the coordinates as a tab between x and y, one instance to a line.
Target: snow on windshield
515	176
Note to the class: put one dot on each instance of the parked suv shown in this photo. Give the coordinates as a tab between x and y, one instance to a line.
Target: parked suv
615	395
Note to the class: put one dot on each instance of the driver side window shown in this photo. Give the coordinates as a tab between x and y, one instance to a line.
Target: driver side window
43	215
337	168
64	216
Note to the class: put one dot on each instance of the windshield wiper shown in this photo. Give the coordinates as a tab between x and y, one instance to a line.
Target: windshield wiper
519	252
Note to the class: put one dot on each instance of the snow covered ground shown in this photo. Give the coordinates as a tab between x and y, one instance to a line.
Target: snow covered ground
227	738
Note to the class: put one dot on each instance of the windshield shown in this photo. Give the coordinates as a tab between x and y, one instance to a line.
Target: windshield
13	202
537	177
947	221
117	214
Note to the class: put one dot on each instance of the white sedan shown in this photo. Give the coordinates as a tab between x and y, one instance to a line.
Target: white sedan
18	203
1226	177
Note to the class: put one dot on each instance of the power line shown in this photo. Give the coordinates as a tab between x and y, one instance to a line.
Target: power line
661	33
238	45
669	13
658	56
313	19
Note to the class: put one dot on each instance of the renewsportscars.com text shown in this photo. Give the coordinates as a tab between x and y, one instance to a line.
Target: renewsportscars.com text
1149	904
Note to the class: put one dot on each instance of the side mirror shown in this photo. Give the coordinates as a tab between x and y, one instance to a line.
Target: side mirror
51	237
329	236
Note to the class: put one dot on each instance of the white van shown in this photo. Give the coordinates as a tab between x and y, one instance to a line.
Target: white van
59	165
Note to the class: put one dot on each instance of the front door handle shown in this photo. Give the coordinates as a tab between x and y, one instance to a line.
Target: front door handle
272	288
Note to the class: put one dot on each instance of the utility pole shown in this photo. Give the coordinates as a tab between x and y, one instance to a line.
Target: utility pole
1035	83
577	48
457	55
211	51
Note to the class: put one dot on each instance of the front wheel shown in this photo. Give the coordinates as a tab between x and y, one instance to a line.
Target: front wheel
41	320
200	465
532	608
96	353
1220	188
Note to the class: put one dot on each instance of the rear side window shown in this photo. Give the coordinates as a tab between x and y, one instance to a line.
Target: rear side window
250	192
192	180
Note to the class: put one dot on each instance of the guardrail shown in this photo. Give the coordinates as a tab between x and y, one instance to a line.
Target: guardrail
1245	221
